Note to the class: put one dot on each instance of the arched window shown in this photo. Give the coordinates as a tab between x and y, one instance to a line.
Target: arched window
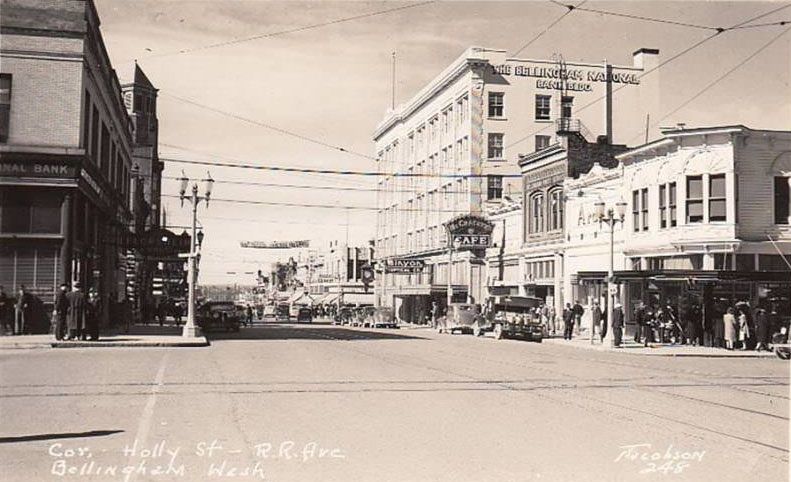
536	212
555	208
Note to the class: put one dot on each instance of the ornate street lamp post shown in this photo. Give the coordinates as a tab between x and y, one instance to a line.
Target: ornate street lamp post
190	329
610	216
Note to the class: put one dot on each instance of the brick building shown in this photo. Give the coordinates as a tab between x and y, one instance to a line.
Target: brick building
67	153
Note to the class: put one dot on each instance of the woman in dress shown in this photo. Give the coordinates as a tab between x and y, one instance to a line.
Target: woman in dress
730	327
744	328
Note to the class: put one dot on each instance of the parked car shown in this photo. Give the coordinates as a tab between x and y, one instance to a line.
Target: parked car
513	318
282	312
218	316
304	314
462	317
269	311
344	316
382	317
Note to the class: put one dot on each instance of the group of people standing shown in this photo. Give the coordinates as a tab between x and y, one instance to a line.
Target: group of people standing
76	315
16	313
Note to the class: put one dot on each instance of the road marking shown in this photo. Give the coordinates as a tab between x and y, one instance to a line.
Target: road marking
144	423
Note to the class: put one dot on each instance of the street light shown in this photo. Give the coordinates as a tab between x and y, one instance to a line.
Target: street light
190	329
610	216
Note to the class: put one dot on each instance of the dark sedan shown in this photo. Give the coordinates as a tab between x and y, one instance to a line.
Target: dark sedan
218	316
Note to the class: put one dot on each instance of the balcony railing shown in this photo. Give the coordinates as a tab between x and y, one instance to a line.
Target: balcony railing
570	125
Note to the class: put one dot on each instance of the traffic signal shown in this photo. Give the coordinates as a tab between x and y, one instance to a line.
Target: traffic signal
367	274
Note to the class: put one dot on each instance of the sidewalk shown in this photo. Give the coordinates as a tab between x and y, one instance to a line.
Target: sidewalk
140	336
658	349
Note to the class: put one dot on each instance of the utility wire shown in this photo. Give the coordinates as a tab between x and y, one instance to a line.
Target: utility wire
288	31
638	17
570	8
329	171
723	76
267	126
324	206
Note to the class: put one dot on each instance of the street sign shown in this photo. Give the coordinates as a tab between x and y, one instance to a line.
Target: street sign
472	241
469	231
404	266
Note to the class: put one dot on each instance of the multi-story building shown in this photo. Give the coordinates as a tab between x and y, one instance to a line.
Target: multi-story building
66	148
706	222
456	143
338	277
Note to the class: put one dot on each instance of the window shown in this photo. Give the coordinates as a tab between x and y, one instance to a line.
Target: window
5	106
640	210
494	187
495	146
644	209
566	104
662	206
86	126
782	200
694	199
542	142
717	210
24	212
496	104
542	107
556	209
671	202
94	134
536	213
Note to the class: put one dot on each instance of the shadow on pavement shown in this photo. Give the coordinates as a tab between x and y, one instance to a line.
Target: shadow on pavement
56	436
308	332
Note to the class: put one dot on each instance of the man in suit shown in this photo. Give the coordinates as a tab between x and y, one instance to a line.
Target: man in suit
75	317
596	319
639	318
61	309
23	312
568	322
5	308
578	311
617	324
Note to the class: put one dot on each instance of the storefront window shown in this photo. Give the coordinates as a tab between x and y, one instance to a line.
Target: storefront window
782	200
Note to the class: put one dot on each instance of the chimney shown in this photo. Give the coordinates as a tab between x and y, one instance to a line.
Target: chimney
645	58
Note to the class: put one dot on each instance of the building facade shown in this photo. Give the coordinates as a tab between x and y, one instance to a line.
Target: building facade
455	145
66	147
706	223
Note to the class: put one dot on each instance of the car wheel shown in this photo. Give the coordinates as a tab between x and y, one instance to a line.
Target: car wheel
476	330
440	330
498	332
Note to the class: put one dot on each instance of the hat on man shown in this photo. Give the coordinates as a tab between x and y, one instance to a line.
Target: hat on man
76	284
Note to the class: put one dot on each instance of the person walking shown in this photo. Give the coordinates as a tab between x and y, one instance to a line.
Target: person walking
60	311
568	322
23	312
75	317
762	329
639	318
249	316
5	310
745	333
578	311
596	320
617	324
92	316
729	328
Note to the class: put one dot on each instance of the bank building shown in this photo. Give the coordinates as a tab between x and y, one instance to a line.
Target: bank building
454	148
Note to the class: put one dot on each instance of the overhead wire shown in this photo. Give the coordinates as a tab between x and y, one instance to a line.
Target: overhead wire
722	77
570	8
287	31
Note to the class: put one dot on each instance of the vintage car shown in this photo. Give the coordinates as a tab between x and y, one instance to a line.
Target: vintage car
462	317
218	316
382	317
514	318
344	316
305	314
282	311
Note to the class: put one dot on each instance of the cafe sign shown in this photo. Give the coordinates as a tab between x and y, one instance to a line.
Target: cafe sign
469	231
404	266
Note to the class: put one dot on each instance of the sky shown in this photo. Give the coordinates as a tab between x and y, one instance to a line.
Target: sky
333	84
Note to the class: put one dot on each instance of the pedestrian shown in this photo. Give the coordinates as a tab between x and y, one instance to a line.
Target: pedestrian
23	312
161	311
718	327
5	310
250	315
744	327
552	316
578	311
60	311
75	318
617	324
92	316
596	318
434	312
730	328
639	318
650	321
762	329
568	322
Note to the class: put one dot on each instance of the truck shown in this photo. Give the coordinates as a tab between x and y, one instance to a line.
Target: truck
514	317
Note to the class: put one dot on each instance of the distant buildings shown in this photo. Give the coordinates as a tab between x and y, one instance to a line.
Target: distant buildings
454	147
68	154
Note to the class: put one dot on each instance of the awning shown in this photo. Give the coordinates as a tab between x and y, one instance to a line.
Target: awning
328	299
688	275
300	299
358	299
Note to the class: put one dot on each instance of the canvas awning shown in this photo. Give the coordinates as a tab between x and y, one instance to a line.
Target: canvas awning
358	299
300	299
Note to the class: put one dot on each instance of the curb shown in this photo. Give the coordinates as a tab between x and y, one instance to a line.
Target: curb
200	342
660	351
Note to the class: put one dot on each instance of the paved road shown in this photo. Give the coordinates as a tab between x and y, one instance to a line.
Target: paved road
307	403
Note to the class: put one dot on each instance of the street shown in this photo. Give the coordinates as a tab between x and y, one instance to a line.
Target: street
286	402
